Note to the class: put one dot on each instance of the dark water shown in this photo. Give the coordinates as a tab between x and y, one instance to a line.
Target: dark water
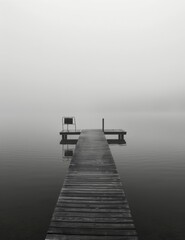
151	166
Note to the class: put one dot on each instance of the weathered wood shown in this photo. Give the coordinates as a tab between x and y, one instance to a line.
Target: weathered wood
92	231
93	186
80	201
92	204
119	132
92	214
97	210
94	198
90	191
89	207
111	225
83	237
92	219
106	131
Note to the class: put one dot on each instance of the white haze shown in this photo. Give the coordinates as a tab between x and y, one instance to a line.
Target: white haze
92	55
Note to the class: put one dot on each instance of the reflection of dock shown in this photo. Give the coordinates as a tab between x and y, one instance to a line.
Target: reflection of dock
119	132
92	204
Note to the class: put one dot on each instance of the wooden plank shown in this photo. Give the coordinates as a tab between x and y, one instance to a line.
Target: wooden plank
71	194
92	204
94	215
93	198
114	131
82	201
92	231
61	224
97	210
93	195
89	191
83	237
93	186
95	178
92	219
69	132
89	175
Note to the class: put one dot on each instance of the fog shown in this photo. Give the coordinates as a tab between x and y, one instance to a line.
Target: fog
92	55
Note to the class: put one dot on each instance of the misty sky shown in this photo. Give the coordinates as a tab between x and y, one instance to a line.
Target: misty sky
92	55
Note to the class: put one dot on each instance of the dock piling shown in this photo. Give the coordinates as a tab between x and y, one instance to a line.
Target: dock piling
103	124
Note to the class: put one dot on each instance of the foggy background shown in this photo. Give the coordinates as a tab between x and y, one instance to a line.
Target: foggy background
122	60
73	56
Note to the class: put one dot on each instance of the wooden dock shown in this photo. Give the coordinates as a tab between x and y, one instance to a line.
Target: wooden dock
119	132
92	204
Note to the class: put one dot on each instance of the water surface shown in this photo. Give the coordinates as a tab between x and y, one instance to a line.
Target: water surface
151	166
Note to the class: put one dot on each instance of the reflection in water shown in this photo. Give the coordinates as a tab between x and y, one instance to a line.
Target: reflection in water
116	141
68	151
151	166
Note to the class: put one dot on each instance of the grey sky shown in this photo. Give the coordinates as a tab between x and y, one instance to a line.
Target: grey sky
96	55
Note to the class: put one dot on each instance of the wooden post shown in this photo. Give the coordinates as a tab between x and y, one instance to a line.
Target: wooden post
64	136
119	136
122	136
103	124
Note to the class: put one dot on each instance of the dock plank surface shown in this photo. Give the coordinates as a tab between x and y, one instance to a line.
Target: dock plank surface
92	204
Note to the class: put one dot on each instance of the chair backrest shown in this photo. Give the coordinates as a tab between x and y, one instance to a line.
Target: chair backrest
68	121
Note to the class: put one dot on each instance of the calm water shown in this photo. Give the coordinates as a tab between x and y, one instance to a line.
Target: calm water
151	166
